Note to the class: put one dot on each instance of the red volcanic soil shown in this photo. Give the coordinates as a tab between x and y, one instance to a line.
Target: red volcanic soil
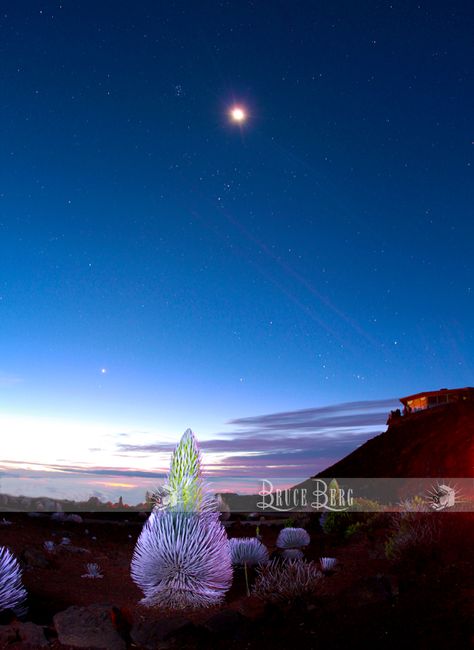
425	609
438	442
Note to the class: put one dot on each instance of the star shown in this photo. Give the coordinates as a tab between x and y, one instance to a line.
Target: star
103	371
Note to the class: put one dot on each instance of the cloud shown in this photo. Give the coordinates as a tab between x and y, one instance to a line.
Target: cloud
360	413
54	471
298	442
9	380
289	445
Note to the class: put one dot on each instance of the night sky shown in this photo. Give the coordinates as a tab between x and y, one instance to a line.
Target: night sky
162	266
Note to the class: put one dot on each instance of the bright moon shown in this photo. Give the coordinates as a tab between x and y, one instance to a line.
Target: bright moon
238	114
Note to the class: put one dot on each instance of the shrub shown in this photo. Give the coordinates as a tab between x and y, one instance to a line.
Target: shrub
292	538
413	534
182	556
416	504
286	580
368	523
247	550
336	523
352	529
366	505
12	593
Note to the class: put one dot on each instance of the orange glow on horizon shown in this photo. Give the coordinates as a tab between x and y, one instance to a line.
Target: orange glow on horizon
113	484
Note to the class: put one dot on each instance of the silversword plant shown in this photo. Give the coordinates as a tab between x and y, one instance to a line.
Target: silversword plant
292	538
12	592
182	556
327	563
247	550
93	571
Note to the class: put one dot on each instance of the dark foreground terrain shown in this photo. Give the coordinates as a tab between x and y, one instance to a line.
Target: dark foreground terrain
419	596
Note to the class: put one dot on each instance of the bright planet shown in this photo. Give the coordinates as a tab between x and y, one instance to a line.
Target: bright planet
238	114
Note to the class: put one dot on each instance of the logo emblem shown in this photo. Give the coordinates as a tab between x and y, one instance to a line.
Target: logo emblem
441	497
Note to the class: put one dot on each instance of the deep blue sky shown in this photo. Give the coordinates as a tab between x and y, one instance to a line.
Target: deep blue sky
319	254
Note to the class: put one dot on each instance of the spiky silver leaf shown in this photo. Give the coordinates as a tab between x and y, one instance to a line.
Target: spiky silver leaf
12	593
247	550
286	580
292	538
182	560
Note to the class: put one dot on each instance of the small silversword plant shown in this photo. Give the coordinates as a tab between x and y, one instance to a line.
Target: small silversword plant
292	538
247	551
327	563
93	571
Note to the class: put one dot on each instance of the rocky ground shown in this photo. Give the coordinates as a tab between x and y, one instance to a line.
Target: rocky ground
368	601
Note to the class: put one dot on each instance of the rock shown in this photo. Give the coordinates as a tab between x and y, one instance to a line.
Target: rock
7	635
32	557
92	626
164	633
31	635
70	548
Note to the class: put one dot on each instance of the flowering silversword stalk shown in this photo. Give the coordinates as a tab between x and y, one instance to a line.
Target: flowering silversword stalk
182	556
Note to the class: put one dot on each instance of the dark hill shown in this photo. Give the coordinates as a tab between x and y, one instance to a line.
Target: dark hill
438	442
